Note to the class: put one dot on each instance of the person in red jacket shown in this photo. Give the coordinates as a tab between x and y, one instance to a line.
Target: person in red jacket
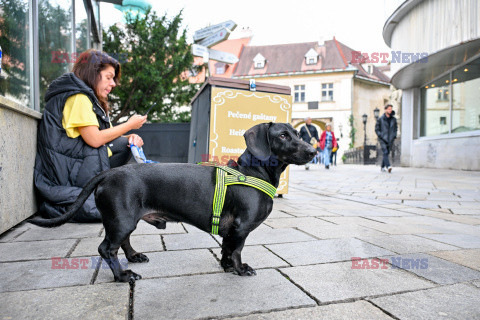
327	143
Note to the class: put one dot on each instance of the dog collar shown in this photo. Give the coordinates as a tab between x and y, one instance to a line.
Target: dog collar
227	176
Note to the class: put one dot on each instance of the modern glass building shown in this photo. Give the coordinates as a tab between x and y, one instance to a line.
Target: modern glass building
436	61
40	40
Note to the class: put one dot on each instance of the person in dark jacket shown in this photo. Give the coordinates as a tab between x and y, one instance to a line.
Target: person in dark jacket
310	136
76	140
386	130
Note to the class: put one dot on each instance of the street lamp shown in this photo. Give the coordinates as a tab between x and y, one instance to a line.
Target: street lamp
376	113
364	117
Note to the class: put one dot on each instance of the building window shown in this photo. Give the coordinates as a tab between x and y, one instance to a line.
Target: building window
311	57
459	112
327	92
259	61
299	93
220	68
369	68
15	81
443	94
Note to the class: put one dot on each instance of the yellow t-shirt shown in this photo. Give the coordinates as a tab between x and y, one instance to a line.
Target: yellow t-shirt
78	112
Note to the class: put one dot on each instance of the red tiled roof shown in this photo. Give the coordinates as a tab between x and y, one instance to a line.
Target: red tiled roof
286	58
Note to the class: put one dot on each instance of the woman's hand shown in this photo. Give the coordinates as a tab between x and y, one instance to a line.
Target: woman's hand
136	121
135	139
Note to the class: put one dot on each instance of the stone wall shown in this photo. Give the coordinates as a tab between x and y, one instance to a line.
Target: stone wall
18	137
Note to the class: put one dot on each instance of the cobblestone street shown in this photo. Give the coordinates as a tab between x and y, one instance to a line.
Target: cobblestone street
421	225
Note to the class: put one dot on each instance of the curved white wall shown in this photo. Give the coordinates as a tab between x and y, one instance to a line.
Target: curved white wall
434	25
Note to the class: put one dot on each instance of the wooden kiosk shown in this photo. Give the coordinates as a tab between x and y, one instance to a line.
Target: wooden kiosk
223	109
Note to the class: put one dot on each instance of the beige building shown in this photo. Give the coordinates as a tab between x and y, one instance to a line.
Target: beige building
326	85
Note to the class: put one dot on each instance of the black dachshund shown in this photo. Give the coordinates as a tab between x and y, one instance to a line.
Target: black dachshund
158	193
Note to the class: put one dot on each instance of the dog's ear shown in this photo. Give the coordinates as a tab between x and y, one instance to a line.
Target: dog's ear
257	141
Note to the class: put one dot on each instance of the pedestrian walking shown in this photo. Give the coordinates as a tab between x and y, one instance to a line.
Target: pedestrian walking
386	130
327	143
309	134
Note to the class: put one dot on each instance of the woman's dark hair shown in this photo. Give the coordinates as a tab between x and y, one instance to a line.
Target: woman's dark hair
88	66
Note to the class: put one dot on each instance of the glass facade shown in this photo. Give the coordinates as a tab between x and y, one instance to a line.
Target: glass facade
61	29
55	41
15	78
451	104
466	98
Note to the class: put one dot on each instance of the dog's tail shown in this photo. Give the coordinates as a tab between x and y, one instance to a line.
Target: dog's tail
82	197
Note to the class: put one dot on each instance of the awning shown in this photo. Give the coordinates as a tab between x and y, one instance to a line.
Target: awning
420	73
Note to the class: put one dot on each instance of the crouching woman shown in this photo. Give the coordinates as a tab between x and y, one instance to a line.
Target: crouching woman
76	140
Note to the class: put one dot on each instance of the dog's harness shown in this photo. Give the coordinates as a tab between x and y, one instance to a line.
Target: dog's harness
227	176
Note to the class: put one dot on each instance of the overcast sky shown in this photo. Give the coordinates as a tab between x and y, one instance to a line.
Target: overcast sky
358	24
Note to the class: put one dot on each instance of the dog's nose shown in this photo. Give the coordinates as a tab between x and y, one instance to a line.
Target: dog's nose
311	152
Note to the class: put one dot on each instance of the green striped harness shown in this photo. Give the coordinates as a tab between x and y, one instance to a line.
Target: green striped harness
227	176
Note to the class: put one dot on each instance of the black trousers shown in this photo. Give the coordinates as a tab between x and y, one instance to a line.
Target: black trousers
121	153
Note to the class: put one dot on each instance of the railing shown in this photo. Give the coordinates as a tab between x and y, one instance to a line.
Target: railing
371	154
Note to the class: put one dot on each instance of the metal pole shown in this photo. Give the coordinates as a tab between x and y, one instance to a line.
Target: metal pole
365	143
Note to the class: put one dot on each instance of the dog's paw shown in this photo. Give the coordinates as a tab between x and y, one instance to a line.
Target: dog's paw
128	276
245	270
138	257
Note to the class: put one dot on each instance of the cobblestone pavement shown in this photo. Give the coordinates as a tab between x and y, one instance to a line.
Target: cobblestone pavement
422	226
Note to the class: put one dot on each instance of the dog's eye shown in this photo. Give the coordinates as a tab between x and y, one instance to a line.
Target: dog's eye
282	136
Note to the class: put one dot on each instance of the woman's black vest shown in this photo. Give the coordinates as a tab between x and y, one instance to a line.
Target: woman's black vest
64	165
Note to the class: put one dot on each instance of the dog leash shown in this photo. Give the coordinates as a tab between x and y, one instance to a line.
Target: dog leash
227	176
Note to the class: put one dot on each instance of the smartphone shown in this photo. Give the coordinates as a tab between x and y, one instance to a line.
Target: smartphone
153	105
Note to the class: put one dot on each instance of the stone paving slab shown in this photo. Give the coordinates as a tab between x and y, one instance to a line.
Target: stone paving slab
39	274
19	251
189	241
469	211
340	231
371	212
467	257
471	220
268	236
338	281
434	269
296	222
258	257
216	295
311	213
358	310
14	232
66	231
167	264
322	251
407	243
380	226
459	240
141	243
106	301
459	301
276	214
